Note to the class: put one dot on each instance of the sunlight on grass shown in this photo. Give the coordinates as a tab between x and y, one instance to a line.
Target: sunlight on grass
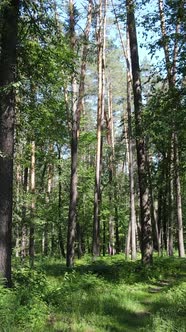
110	294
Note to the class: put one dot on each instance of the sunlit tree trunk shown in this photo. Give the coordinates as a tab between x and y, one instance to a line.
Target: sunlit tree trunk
97	190
112	172
171	67
131	157
24	228
9	19
178	200
60	219
18	203
32	210
171	223
45	240
77	106
146	229
74	144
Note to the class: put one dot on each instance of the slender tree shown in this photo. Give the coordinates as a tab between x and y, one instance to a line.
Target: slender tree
77	107
101	21
32	209
146	230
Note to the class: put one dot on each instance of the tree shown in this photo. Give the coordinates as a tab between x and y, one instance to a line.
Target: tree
9	23
77	108
101	23
146	231
171	67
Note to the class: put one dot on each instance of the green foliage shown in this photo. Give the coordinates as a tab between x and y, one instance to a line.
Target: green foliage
110	294
23	308
171	316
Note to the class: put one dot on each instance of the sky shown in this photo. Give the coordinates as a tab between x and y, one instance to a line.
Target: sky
143	52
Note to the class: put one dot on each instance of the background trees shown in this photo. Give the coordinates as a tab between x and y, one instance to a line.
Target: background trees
61	63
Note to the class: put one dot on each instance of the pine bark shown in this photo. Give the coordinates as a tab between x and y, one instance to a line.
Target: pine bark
171	67
131	157
77	106
146	229
100	113
178	200
9	18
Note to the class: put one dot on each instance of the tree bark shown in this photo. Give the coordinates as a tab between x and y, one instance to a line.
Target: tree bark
131	157
32	211
60	232
24	208
9	17
171	67
146	229
178	200
97	193
76	113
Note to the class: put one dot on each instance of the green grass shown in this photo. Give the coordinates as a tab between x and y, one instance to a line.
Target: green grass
110	294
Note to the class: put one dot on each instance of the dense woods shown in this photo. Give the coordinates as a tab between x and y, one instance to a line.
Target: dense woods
92	144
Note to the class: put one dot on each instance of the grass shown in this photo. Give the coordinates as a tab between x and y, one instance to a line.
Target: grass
110	294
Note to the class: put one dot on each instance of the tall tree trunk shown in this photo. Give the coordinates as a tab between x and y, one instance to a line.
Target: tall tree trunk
131	157
18	203
101	24
178	200
45	242
146	229
23	223
9	18
96	221
60	232
74	145
32	212
171	67
170	200
76	113
112	171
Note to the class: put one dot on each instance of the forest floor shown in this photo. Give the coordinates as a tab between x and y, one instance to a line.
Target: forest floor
110	294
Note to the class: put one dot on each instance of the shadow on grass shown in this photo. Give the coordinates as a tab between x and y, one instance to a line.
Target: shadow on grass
116	269
104	307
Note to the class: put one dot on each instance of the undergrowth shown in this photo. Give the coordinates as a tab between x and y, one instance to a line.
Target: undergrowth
108	295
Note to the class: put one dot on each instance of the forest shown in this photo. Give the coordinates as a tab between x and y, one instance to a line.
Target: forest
92	165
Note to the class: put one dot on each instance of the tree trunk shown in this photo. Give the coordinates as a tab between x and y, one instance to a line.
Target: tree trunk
24	224
146	228
112	171
131	157
48	193
128	242
101	21
171	200
9	18
76	113
60	232
178	200
171	67
32	212
74	145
